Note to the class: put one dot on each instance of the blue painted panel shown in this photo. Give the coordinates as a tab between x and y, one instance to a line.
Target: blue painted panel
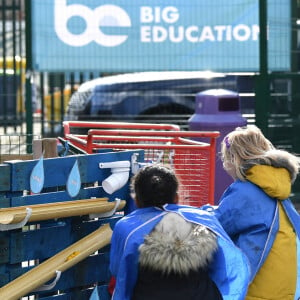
79	294
39	244
4	202
4	177
57	197
92	269
4	275
91	169
85	273
57	170
81	229
4	247
47	241
53	236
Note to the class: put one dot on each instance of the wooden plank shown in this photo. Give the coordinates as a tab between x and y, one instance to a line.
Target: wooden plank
4	277
40	243
5	177
4	247
37	148
62	261
57	170
51	197
94	268
47	241
80	294
4	201
8	157
86	273
49	146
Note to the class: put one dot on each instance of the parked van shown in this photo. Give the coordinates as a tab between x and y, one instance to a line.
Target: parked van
135	96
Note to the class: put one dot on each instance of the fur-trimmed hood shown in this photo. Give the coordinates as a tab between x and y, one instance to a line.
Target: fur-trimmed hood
274	173
278	159
177	246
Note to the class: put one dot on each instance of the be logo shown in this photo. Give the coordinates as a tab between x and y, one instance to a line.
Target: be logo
102	16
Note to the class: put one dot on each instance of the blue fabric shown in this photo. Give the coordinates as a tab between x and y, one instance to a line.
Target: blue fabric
295	220
252	225
292	214
297	293
230	270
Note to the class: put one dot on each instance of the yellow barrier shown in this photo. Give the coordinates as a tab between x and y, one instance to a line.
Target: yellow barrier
19	62
16	65
57	105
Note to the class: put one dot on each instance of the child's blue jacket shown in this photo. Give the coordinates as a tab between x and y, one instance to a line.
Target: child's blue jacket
238	212
230	269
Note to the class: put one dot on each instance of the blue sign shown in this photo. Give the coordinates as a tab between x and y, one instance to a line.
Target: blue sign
156	35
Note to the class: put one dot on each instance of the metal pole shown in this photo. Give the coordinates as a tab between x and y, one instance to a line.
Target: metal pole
28	87
4	75
262	80
295	90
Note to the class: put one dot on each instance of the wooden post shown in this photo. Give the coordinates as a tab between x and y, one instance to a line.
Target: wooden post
49	147
46	146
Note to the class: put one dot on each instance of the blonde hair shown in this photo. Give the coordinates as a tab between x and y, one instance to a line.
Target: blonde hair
247	146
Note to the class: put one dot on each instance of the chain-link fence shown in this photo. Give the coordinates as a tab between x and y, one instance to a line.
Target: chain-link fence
269	97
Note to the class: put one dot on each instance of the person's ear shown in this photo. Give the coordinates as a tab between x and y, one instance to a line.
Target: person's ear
137	203
176	199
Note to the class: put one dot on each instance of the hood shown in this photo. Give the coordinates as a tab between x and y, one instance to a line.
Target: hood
178	246
278	159
274	173
276	182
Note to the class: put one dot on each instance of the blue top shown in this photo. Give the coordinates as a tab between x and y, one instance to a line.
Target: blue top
229	270
238	213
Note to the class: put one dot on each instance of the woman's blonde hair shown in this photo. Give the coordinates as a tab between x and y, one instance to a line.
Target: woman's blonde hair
243	148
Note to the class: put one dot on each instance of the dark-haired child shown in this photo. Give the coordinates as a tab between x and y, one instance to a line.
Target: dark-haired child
164	250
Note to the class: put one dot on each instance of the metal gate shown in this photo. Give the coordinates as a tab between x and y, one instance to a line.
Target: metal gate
35	103
12	65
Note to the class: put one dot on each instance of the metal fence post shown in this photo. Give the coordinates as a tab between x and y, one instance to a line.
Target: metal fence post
262	80
28	87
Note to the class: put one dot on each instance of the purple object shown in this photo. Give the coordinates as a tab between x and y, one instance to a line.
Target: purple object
226	141
217	110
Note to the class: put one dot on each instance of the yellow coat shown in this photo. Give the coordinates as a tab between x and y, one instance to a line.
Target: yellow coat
277	278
